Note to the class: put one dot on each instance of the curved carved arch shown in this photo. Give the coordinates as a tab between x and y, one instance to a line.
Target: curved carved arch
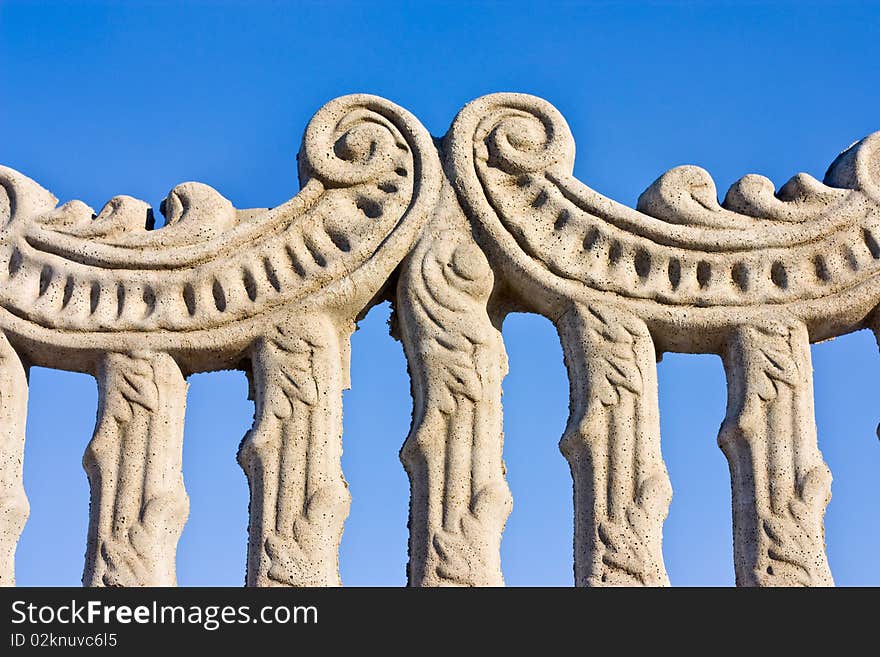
216	287
754	278
681	259
73	282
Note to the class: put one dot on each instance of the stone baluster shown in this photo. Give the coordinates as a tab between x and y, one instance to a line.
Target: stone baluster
292	456
874	326
780	484
138	501
453	454
612	443
14	506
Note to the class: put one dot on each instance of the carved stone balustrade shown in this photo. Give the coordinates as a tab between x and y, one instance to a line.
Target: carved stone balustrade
456	233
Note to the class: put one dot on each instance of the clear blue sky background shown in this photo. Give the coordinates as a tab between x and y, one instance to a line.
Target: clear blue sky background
99	99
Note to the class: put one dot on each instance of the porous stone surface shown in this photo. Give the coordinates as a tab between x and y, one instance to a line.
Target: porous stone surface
457	233
138	505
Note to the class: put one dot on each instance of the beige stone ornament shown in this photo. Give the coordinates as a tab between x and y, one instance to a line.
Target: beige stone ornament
457	233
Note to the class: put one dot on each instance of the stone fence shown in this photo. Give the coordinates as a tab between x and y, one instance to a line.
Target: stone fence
456	233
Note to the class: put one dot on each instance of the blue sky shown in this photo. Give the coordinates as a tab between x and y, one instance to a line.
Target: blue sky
100	99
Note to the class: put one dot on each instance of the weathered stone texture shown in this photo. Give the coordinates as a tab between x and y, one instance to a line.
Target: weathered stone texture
457	233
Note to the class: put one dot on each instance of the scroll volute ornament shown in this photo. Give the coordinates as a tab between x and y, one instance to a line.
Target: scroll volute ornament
755	278
682	261
75	283
100	292
299	364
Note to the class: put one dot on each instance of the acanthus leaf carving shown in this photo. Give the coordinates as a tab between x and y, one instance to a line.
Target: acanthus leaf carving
370	177
139	504
299	498
681	259
618	361
612	443
755	277
14	506
628	558
298	559
466	554
780	483
453	453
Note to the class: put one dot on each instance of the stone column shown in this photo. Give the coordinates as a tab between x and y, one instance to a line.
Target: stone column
138	501
453	455
874	325
14	506
612	443
780	484
299	497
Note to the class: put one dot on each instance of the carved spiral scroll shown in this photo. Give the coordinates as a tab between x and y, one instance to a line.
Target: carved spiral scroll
351	140
682	259
754	277
213	274
515	134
